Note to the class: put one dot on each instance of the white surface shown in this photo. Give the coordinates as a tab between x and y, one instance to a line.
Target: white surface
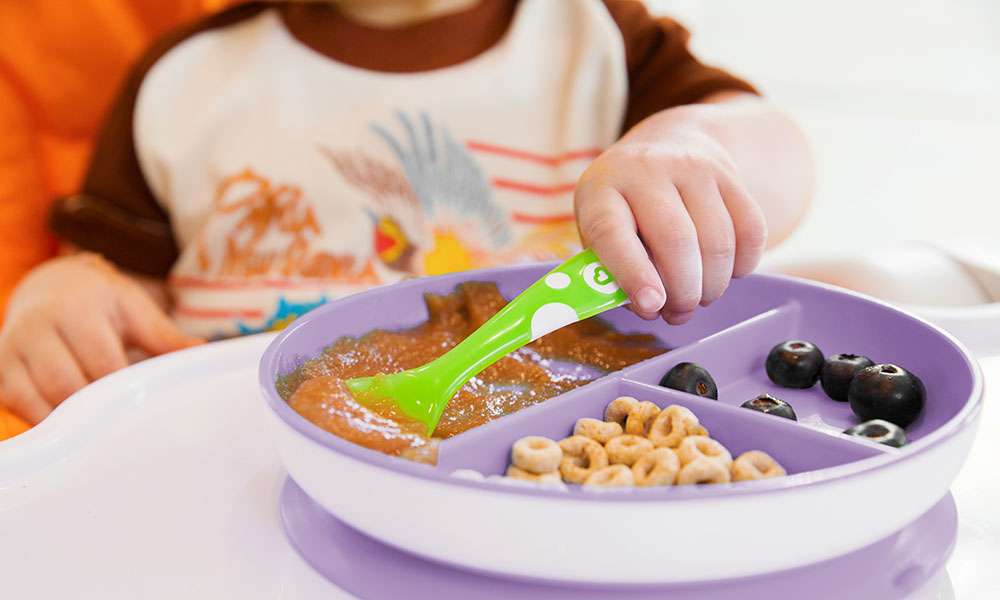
162	482
173	495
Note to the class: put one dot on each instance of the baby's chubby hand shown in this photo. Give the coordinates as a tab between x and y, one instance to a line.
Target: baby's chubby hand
70	322
668	214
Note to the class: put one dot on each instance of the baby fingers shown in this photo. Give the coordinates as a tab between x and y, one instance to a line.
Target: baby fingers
749	226
98	348
716	237
673	227
20	395
53	368
671	236
608	226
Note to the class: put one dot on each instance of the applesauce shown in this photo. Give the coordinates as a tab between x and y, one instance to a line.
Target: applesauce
549	366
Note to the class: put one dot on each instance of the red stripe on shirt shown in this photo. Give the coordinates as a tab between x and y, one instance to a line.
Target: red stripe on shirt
540	219
528	188
552	161
217	313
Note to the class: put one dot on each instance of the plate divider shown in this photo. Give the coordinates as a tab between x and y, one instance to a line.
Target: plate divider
778	323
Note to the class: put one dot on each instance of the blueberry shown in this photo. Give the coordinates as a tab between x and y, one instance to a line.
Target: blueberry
837	372
887	392
880	431
767	403
691	378
794	364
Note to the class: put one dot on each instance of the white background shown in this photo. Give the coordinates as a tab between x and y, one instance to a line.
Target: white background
899	98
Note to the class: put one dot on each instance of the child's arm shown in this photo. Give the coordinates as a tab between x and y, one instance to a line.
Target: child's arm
685	200
69	322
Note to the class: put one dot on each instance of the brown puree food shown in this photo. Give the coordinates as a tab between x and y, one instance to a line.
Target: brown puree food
527	376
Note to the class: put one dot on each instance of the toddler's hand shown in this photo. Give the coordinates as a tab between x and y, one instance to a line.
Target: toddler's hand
668	214
70	322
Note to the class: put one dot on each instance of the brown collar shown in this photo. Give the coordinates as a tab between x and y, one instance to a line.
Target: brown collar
432	44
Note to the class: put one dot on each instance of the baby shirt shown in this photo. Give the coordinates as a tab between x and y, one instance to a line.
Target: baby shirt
279	155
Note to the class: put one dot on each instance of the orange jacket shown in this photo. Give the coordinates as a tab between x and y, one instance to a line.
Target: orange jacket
60	66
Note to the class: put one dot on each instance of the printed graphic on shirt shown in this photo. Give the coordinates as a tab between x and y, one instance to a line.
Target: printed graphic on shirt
430	211
269	232
465	223
395	213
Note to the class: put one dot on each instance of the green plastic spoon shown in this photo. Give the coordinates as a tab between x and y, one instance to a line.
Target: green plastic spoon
577	289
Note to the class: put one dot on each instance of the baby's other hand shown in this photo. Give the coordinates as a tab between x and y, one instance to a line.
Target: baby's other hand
69	322
667	212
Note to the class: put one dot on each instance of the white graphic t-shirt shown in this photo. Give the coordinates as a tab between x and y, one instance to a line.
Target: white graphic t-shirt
282	174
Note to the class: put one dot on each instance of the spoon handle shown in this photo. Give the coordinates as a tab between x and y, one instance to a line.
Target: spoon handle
577	289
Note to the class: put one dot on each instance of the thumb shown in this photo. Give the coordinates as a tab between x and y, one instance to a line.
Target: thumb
146	325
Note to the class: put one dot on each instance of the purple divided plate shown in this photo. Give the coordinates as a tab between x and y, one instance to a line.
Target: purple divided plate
842	493
889	569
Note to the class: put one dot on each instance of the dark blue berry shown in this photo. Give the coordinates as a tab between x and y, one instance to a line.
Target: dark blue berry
691	378
767	403
887	392
794	364
837	372
880	431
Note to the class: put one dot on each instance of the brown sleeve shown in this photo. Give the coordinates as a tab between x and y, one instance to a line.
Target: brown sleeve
115	212
662	72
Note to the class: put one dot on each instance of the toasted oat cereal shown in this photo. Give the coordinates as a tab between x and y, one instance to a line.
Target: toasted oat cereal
703	470
618	410
536	454
673	424
755	465
581	457
657	467
599	431
637	444
695	447
611	476
626	449
640	418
